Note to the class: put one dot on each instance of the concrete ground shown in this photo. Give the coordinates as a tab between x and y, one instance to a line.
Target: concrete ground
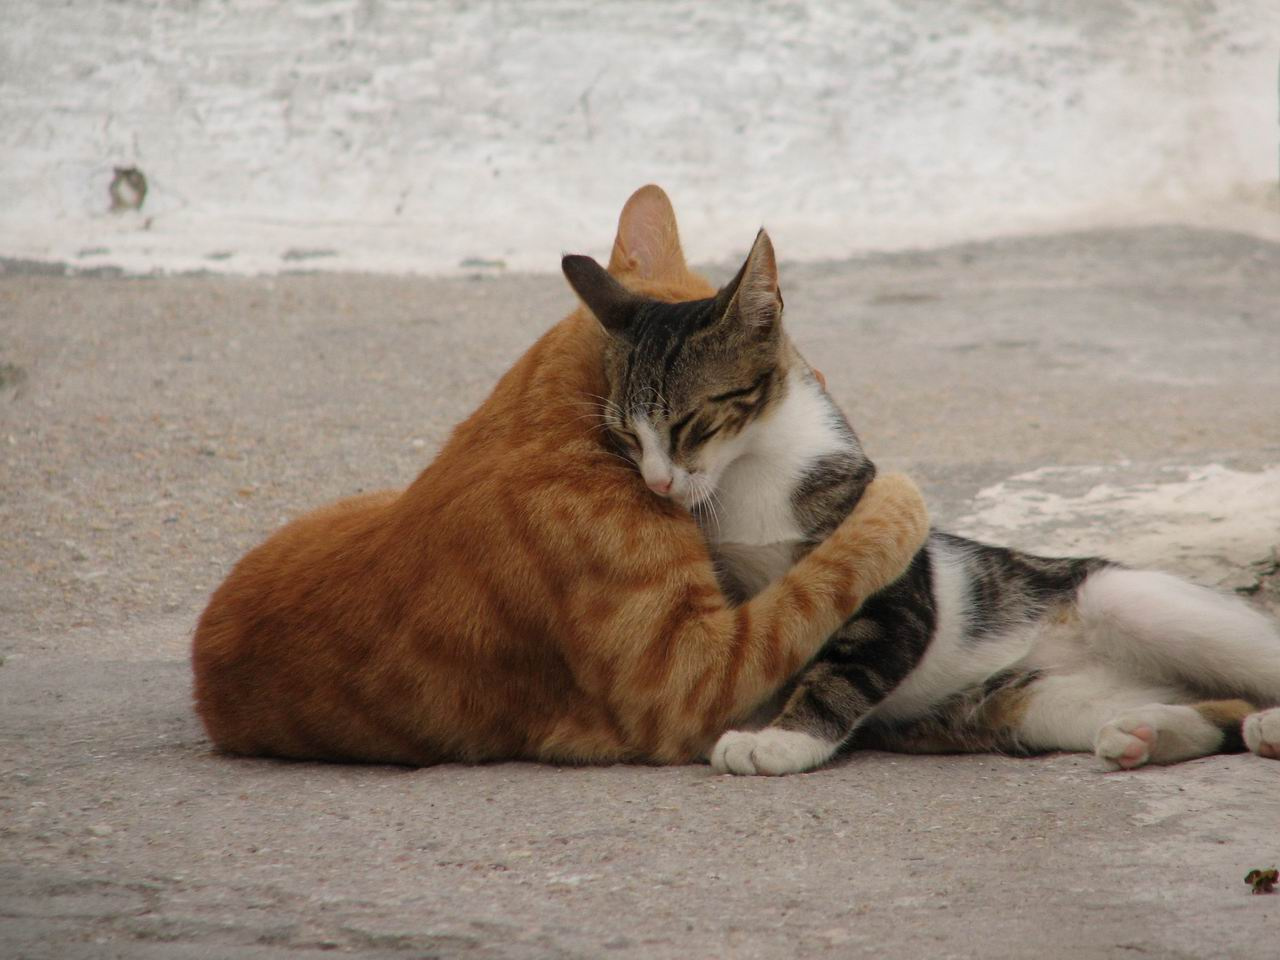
1115	390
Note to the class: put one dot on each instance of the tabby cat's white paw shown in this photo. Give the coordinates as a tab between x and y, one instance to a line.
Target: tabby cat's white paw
1262	733
771	751
1124	749
1159	733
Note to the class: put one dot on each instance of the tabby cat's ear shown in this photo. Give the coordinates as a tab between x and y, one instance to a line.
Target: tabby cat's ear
612	303
648	242
752	298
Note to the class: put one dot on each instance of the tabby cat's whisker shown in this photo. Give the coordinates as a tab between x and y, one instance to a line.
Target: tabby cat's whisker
705	498
713	497
617	456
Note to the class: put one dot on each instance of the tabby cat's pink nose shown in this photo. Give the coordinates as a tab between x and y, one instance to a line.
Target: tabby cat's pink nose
662	487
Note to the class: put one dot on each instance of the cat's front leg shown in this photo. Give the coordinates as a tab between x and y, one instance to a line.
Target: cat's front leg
828	702
857	668
772	752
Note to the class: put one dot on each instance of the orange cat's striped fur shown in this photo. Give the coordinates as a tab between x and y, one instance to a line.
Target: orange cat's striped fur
527	596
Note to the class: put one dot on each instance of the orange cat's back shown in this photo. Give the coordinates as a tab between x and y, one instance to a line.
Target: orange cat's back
255	651
412	627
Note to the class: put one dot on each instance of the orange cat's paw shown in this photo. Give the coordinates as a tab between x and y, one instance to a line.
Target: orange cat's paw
896	500
1261	733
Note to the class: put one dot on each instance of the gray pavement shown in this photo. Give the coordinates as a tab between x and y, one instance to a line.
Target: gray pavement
151	430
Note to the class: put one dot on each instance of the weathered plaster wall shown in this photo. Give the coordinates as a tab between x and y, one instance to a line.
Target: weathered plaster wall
388	134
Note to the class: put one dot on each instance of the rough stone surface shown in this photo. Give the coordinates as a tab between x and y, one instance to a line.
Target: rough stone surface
152	430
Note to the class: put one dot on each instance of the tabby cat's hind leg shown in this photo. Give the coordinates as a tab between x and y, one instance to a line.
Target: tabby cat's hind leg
1166	631
1127	724
1167	733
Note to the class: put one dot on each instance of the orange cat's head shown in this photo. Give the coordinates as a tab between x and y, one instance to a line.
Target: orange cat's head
690	369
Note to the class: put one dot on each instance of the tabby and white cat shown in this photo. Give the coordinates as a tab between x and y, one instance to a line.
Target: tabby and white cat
975	647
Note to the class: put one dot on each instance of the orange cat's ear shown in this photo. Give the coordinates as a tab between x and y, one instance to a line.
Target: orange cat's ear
612	303
753	297
648	242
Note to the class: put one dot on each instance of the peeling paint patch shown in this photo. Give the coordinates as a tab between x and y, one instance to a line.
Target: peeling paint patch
1209	522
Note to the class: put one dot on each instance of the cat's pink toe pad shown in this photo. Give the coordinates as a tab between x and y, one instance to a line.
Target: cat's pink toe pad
1136	753
1144	733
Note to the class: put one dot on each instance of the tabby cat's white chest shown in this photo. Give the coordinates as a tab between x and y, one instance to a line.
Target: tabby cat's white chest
754	495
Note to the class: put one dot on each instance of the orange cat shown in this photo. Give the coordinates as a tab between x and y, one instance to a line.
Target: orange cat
527	596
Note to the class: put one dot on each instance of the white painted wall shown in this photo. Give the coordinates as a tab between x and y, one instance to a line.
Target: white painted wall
405	135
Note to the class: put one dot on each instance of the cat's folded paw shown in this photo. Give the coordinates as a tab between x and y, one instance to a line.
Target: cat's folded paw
732	753
1261	733
771	752
1122	749
1156	733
